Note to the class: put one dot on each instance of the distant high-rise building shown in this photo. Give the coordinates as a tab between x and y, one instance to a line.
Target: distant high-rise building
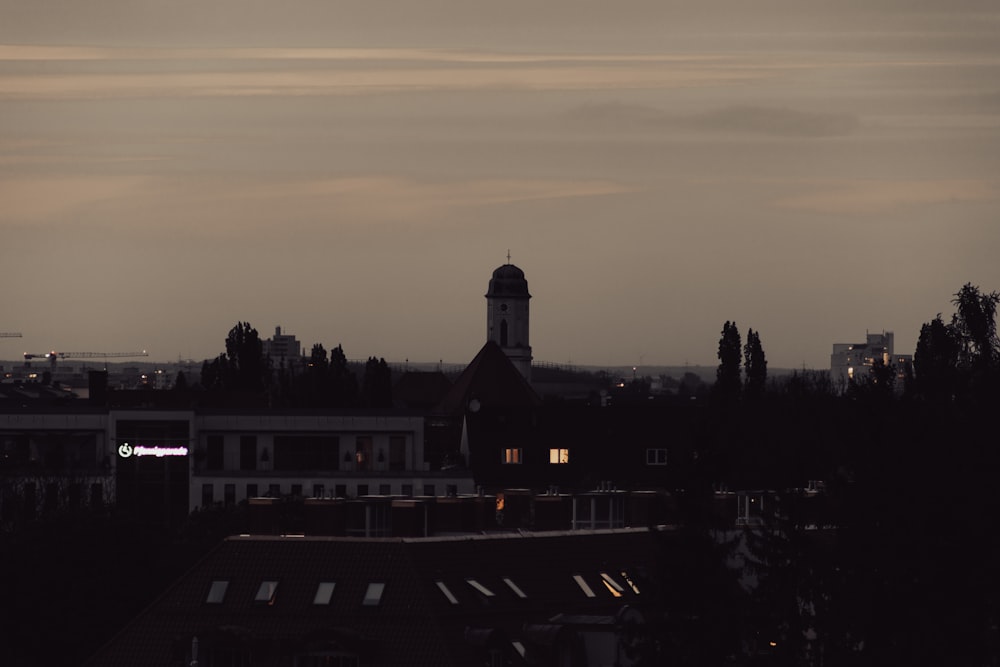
282	346
852	361
507	316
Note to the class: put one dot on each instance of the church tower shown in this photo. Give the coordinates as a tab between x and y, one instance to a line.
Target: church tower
507	315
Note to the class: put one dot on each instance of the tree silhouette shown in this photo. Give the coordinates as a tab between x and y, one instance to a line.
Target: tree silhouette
727	376
935	361
755	365
247	368
377	388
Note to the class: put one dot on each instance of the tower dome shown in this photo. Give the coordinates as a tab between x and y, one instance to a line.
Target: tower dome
508	280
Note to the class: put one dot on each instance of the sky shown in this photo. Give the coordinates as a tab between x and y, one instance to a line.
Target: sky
354	170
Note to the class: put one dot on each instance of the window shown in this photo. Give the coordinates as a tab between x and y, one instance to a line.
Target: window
514	587
296	490
207	495
248	452
229	495
429	490
362	490
584	586
385	489
656	457
217	592
265	593
324	592
251	491
558	456
363	452
479	587
214	455
274	490
612	585
408	490
447	593
397	452
512	455
319	490
373	596
340	490
96	495
306	452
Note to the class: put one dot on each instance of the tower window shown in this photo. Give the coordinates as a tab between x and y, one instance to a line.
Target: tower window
503	333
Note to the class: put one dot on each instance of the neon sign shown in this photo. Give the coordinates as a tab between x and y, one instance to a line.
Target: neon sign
125	450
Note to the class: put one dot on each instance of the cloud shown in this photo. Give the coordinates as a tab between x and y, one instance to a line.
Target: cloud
745	120
59	73
870	197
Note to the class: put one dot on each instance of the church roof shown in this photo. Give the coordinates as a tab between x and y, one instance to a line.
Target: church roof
493	380
508	280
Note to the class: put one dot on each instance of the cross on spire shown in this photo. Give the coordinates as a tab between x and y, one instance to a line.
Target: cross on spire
508	255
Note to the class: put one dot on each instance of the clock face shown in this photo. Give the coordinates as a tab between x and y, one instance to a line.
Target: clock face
503	307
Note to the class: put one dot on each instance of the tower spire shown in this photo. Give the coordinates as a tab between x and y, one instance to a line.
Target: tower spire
508	255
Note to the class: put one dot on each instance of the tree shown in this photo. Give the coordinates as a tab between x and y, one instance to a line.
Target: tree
935	361
960	359
975	324
343	382
248	368
377	388
755	365
727	376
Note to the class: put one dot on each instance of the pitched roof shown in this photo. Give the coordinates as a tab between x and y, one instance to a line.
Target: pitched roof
493	380
518	580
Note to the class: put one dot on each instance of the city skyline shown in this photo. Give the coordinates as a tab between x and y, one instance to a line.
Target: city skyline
354	172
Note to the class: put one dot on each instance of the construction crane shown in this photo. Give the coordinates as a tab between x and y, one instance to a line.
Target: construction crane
54	356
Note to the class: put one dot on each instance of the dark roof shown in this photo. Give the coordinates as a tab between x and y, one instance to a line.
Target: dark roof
420	389
493	380
508	280
415	623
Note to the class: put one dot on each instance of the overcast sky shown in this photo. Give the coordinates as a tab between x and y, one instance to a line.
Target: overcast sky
353	171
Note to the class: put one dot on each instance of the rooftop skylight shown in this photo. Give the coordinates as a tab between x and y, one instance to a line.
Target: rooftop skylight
373	596
584	586
447	593
266	591
217	593
514	587
324	592
479	587
615	588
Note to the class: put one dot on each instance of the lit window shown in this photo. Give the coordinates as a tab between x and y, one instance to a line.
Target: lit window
373	596
631	584
266	592
447	593
217	593
613	586
514	587
558	456
656	457
584	586
512	455
479	587
324	592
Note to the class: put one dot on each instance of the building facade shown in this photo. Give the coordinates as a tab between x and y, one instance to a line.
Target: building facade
851	362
